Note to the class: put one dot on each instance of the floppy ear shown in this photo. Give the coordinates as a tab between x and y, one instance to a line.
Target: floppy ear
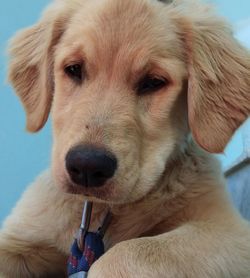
219	77
31	64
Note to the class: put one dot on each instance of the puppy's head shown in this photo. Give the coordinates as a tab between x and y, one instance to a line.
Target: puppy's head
127	81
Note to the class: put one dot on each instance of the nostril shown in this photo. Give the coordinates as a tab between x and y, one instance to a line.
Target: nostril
74	170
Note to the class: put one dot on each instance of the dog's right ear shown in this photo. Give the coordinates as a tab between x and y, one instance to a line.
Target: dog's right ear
31	64
219	74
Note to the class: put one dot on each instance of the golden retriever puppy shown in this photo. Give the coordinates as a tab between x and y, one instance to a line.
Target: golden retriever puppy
140	93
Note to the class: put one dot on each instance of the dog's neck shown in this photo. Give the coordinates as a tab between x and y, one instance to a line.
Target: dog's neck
162	209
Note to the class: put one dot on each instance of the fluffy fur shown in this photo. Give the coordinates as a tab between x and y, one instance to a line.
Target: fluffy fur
171	214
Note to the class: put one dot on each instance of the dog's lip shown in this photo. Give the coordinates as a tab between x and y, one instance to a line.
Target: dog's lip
87	194
105	194
101	194
87	191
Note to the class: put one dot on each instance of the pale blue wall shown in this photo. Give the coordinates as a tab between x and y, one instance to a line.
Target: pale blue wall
23	156
234	10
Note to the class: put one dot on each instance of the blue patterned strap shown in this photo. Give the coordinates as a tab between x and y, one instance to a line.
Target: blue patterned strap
80	261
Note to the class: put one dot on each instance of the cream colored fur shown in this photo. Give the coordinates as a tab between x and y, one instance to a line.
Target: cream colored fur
172	216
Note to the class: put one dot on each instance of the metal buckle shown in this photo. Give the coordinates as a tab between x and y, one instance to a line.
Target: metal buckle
86	217
84	228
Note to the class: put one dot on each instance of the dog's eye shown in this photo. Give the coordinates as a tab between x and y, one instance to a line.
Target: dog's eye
74	72
151	84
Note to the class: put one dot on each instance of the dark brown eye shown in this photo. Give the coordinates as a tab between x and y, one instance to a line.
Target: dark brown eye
74	72
150	84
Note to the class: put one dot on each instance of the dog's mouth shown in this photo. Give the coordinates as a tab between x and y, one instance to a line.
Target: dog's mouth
105	193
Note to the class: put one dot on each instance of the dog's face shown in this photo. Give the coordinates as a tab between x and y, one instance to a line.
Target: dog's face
127	76
117	72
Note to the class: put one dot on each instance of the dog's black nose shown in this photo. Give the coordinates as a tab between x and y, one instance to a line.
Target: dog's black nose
89	166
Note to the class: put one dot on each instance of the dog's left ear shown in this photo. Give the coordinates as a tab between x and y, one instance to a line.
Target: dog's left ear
219	77
31	63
